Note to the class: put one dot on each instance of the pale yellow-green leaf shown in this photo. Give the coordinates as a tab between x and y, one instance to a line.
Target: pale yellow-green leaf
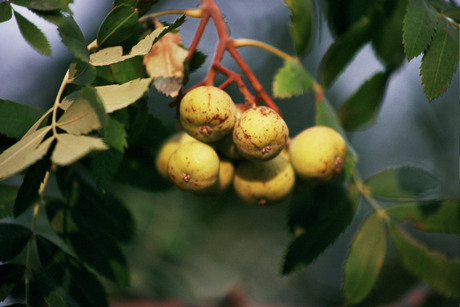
70	148
80	118
118	96
24	153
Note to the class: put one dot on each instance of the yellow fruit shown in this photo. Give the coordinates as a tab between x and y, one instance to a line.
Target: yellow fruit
264	182
317	153
226	146
194	167
207	113
226	174
260	134
167	148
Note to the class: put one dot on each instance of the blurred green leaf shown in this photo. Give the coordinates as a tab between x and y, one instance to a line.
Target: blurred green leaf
81	73
29	191
418	28
317	217
10	275
342	14
326	116
128	70
343	50
118	25
70	148
85	114
432	267
453	13
84	236
7	197
440	61
402	183
13	238
44	5
73	38
362	107
303	19
33	35
365	259
67	271
16	118
434	216
5	11
291	79
53	294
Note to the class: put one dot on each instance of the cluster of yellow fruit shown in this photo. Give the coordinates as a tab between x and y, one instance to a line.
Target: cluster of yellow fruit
221	145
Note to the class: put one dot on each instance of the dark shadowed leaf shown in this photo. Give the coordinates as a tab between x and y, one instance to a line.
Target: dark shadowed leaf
73	38
418	27
16	118
432	267
44	5
81	73
317	217
75	279
5	11
291	79
53	293
434	216
440	61
128	70
10	275
362	107
7	197
402	183
119	24
303	19
13	238
365	259
33	35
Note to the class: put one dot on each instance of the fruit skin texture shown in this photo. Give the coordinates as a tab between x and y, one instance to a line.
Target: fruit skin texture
167	148
226	146
317	153
207	113
194	167
265	182
260	134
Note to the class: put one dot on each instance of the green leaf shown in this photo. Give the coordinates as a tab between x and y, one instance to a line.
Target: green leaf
361	108
302	23
7	197
402	183
365	259
29	190
92	245
85	114
13	238
325	116
128	70
291	79
44	5
431	266
16	118
118	25
5	11
70	148
440	61
418	27
73	38
434	216
33	35
118	96
67	271
317	217
53	294
81	73
343	50
24	153
10	275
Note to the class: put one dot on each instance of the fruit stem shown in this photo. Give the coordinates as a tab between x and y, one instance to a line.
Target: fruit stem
242	42
194	13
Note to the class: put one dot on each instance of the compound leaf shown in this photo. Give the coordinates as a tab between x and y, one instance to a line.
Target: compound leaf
10	275
440	61
6	11
291	79
431	266
16	118
70	148
13	238
365	259
402	183
434	216
33	35
302	23
7	197
418	27
118	25
362	106
68	272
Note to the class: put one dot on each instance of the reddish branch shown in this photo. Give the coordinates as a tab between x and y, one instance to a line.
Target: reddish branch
212	11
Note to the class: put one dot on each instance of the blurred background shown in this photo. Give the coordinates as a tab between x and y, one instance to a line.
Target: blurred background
200	251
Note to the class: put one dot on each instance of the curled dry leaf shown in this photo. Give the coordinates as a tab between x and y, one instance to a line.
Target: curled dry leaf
165	63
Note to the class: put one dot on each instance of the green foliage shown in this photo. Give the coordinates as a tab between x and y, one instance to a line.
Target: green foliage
120	24
7	197
11	124
5	11
291	79
10	275
13	238
33	35
303	19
